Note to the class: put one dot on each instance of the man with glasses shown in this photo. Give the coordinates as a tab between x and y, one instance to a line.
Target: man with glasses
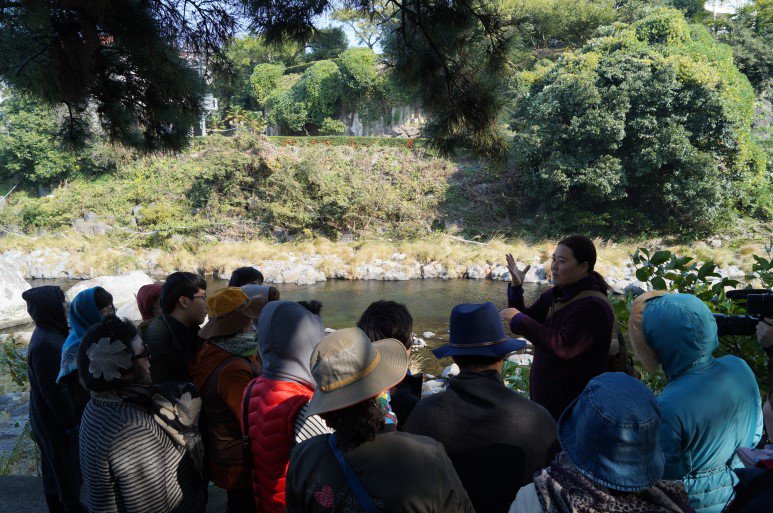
172	339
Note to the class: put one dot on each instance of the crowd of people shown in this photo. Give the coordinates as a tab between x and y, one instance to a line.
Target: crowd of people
260	401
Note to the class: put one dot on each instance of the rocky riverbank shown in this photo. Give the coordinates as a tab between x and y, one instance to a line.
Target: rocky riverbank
135	268
304	269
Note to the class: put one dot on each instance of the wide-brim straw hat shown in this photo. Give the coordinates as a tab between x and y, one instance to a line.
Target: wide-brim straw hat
230	311
349	369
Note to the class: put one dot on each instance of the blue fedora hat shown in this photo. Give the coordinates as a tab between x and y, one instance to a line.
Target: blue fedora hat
476	330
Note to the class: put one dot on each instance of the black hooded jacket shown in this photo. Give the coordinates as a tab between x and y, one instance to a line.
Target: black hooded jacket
51	408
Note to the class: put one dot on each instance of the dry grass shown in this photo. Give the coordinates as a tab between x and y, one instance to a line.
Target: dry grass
117	253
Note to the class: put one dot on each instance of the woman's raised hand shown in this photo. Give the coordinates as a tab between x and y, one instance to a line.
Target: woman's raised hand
516	275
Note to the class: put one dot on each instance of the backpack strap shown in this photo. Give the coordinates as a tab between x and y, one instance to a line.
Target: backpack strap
210	388
246	446
555	307
354	482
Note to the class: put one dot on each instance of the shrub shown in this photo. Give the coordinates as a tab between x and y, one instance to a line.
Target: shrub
358	70
30	146
307	99
13	361
332	127
264	80
284	108
649	124
320	89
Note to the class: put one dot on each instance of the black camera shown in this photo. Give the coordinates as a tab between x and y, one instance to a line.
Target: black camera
759	304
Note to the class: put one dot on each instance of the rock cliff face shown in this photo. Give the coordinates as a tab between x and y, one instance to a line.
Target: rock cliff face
13	309
123	289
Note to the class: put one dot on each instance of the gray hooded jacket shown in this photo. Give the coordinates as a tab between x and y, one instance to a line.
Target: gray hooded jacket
287	335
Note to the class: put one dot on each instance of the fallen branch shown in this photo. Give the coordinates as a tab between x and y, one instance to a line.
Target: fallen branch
12	188
468	241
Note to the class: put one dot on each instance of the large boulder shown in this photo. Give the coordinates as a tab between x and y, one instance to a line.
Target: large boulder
13	309
123	288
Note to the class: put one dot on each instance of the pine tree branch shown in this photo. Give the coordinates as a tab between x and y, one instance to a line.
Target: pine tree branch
31	58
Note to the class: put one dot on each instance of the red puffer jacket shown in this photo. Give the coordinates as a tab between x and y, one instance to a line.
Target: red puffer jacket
273	407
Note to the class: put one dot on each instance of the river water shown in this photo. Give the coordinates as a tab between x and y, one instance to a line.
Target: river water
429	301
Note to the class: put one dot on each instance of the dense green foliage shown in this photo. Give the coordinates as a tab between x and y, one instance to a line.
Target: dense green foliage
646	128
264	80
750	34
232	77
624	118
246	186
327	44
300	103
331	126
30	149
559	24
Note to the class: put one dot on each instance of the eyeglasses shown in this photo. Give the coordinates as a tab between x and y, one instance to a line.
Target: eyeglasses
144	354
109	309
203	296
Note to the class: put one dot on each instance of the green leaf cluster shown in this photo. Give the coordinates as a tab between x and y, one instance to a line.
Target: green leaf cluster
332	127
326	89
664	270
750	34
650	122
32	151
30	148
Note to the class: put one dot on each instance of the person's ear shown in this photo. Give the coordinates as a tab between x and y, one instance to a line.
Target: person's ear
184	302
585	267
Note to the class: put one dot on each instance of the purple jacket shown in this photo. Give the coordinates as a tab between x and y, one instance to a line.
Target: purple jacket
570	348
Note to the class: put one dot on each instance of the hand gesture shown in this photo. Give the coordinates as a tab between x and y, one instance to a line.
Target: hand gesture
516	275
507	314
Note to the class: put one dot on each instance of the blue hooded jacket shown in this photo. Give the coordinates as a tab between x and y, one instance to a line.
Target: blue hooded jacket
83	314
710	407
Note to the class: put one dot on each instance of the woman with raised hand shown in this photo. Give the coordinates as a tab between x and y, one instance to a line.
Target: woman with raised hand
570	325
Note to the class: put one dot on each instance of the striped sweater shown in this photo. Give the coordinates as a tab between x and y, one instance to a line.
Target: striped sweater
130	464
307	426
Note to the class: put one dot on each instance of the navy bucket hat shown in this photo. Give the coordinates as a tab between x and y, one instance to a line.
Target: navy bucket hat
611	433
476	330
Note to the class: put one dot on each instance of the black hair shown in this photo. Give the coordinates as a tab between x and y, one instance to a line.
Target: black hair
177	285
273	295
113	329
356	424
387	319
102	298
312	306
584	251
245	276
469	362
